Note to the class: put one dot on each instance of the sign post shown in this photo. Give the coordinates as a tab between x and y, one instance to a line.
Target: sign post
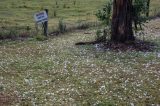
42	18
45	25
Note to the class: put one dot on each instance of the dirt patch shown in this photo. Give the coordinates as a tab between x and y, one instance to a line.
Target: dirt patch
138	45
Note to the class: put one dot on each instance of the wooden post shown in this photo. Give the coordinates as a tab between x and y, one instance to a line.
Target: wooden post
45	25
148	7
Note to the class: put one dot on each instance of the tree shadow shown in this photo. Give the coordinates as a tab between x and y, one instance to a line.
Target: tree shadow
137	45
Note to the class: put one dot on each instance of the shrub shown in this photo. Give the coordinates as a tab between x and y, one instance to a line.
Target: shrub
104	14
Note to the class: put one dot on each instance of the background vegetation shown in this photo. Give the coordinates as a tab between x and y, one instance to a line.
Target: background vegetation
20	12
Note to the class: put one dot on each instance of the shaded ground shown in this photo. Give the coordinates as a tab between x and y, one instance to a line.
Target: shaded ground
138	45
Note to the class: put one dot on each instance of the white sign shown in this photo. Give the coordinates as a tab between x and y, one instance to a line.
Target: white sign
41	17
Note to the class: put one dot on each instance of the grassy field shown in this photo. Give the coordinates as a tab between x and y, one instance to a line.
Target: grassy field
56	72
20	12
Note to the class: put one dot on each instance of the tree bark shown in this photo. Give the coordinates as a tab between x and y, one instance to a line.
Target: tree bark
122	21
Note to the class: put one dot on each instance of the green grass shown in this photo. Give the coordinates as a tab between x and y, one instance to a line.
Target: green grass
20	12
56	72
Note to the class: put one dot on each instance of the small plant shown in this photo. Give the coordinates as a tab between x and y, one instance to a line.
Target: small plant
40	38
56	3
98	33
28	28
9	34
105	104
101	35
83	25
64	6
74	2
139	11
12	34
55	13
104	14
57	6
62	26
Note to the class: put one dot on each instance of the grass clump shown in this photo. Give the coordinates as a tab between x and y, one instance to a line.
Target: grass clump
105	104
40	38
83	25
98	34
8	34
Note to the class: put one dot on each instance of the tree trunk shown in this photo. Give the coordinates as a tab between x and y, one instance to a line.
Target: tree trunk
122	21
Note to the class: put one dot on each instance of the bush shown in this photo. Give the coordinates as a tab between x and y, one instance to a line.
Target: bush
104	14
